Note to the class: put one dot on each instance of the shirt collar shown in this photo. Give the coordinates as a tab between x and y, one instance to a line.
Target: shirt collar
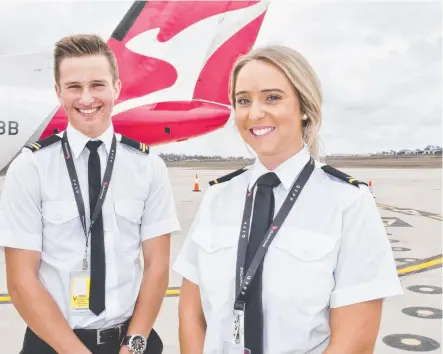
78	140
286	171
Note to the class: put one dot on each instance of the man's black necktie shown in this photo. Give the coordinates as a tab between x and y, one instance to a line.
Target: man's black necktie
98	266
263	214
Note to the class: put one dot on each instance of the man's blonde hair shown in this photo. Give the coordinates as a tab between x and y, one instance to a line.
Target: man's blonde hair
302	78
81	45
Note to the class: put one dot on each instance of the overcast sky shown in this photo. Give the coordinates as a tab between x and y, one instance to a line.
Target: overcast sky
379	64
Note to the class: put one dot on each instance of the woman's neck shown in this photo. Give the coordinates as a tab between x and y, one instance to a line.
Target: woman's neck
271	162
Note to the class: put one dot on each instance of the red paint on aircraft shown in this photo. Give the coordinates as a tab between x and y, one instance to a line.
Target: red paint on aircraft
165	122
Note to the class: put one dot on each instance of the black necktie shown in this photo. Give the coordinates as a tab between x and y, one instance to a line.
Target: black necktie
98	266
263	214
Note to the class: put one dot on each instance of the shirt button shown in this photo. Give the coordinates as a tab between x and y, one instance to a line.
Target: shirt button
58	217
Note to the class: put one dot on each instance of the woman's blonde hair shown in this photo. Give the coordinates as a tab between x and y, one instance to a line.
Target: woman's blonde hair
302	78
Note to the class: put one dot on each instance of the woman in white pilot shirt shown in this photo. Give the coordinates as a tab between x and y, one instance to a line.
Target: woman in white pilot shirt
329	265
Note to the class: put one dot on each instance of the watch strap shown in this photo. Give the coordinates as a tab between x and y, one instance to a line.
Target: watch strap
125	340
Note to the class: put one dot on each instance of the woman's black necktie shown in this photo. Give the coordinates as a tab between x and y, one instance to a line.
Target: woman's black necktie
98	266
263	214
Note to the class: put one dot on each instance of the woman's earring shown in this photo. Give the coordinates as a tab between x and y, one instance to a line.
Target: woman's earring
304	117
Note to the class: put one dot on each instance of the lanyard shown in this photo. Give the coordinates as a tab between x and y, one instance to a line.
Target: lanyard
77	192
243	280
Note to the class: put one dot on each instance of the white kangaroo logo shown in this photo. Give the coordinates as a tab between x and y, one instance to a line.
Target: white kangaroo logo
188	51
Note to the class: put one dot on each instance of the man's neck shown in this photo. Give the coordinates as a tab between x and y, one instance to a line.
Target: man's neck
92	133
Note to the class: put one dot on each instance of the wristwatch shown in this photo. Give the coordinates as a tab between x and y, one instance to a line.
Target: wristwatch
136	343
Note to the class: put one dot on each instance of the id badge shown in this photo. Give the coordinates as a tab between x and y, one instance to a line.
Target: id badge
79	291
230	348
236	346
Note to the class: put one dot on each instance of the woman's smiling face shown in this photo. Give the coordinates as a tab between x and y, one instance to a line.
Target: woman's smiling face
267	111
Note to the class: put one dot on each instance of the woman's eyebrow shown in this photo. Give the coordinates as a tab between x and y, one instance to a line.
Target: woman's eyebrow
264	90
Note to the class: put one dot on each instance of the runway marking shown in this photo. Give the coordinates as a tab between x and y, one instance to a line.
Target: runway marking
411	342
429	313
425	289
171	292
5	299
394	222
420	266
410	211
400	249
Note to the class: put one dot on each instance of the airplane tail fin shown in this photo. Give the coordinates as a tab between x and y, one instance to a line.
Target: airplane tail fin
213	81
232	32
178	51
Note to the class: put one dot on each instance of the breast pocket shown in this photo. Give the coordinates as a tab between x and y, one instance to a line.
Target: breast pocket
129	214
217	255
61	223
307	259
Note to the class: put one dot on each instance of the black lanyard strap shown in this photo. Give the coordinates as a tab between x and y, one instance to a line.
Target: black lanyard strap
76	185
243	280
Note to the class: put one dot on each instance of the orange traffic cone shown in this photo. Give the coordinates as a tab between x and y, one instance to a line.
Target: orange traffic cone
196	186
371	188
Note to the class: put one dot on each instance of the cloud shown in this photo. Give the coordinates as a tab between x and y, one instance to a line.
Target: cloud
379	64
38	25
380	68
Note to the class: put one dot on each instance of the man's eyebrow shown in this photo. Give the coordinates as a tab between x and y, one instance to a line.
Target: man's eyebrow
265	90
77	82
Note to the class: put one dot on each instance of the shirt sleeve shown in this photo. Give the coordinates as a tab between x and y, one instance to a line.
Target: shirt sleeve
20	205
159	215
186	263
366	267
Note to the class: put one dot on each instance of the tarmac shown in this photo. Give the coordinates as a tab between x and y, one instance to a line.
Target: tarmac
409	201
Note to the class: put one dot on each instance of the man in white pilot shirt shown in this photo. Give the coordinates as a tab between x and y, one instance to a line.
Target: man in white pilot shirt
44	237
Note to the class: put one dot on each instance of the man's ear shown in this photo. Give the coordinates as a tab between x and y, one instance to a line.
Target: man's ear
58	92
117	89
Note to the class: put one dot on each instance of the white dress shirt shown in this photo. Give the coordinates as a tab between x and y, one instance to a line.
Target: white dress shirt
331	251
39	213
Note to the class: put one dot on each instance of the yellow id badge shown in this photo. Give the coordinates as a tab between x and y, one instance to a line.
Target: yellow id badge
79	292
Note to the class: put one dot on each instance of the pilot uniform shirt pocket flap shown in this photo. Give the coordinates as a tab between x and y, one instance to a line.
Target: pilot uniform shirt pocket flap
216	256
129	209
216	237
304	244
303	262
59	212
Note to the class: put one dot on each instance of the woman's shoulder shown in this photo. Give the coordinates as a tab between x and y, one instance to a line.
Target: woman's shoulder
229	176
341	185
229	186
338	176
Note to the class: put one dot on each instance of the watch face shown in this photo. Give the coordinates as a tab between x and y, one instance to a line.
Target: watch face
137	344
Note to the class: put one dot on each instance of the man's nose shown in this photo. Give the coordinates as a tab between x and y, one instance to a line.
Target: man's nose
86	98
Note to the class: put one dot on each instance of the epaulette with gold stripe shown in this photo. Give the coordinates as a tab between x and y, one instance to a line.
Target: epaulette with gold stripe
135	144
341	175
228	177
40	144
